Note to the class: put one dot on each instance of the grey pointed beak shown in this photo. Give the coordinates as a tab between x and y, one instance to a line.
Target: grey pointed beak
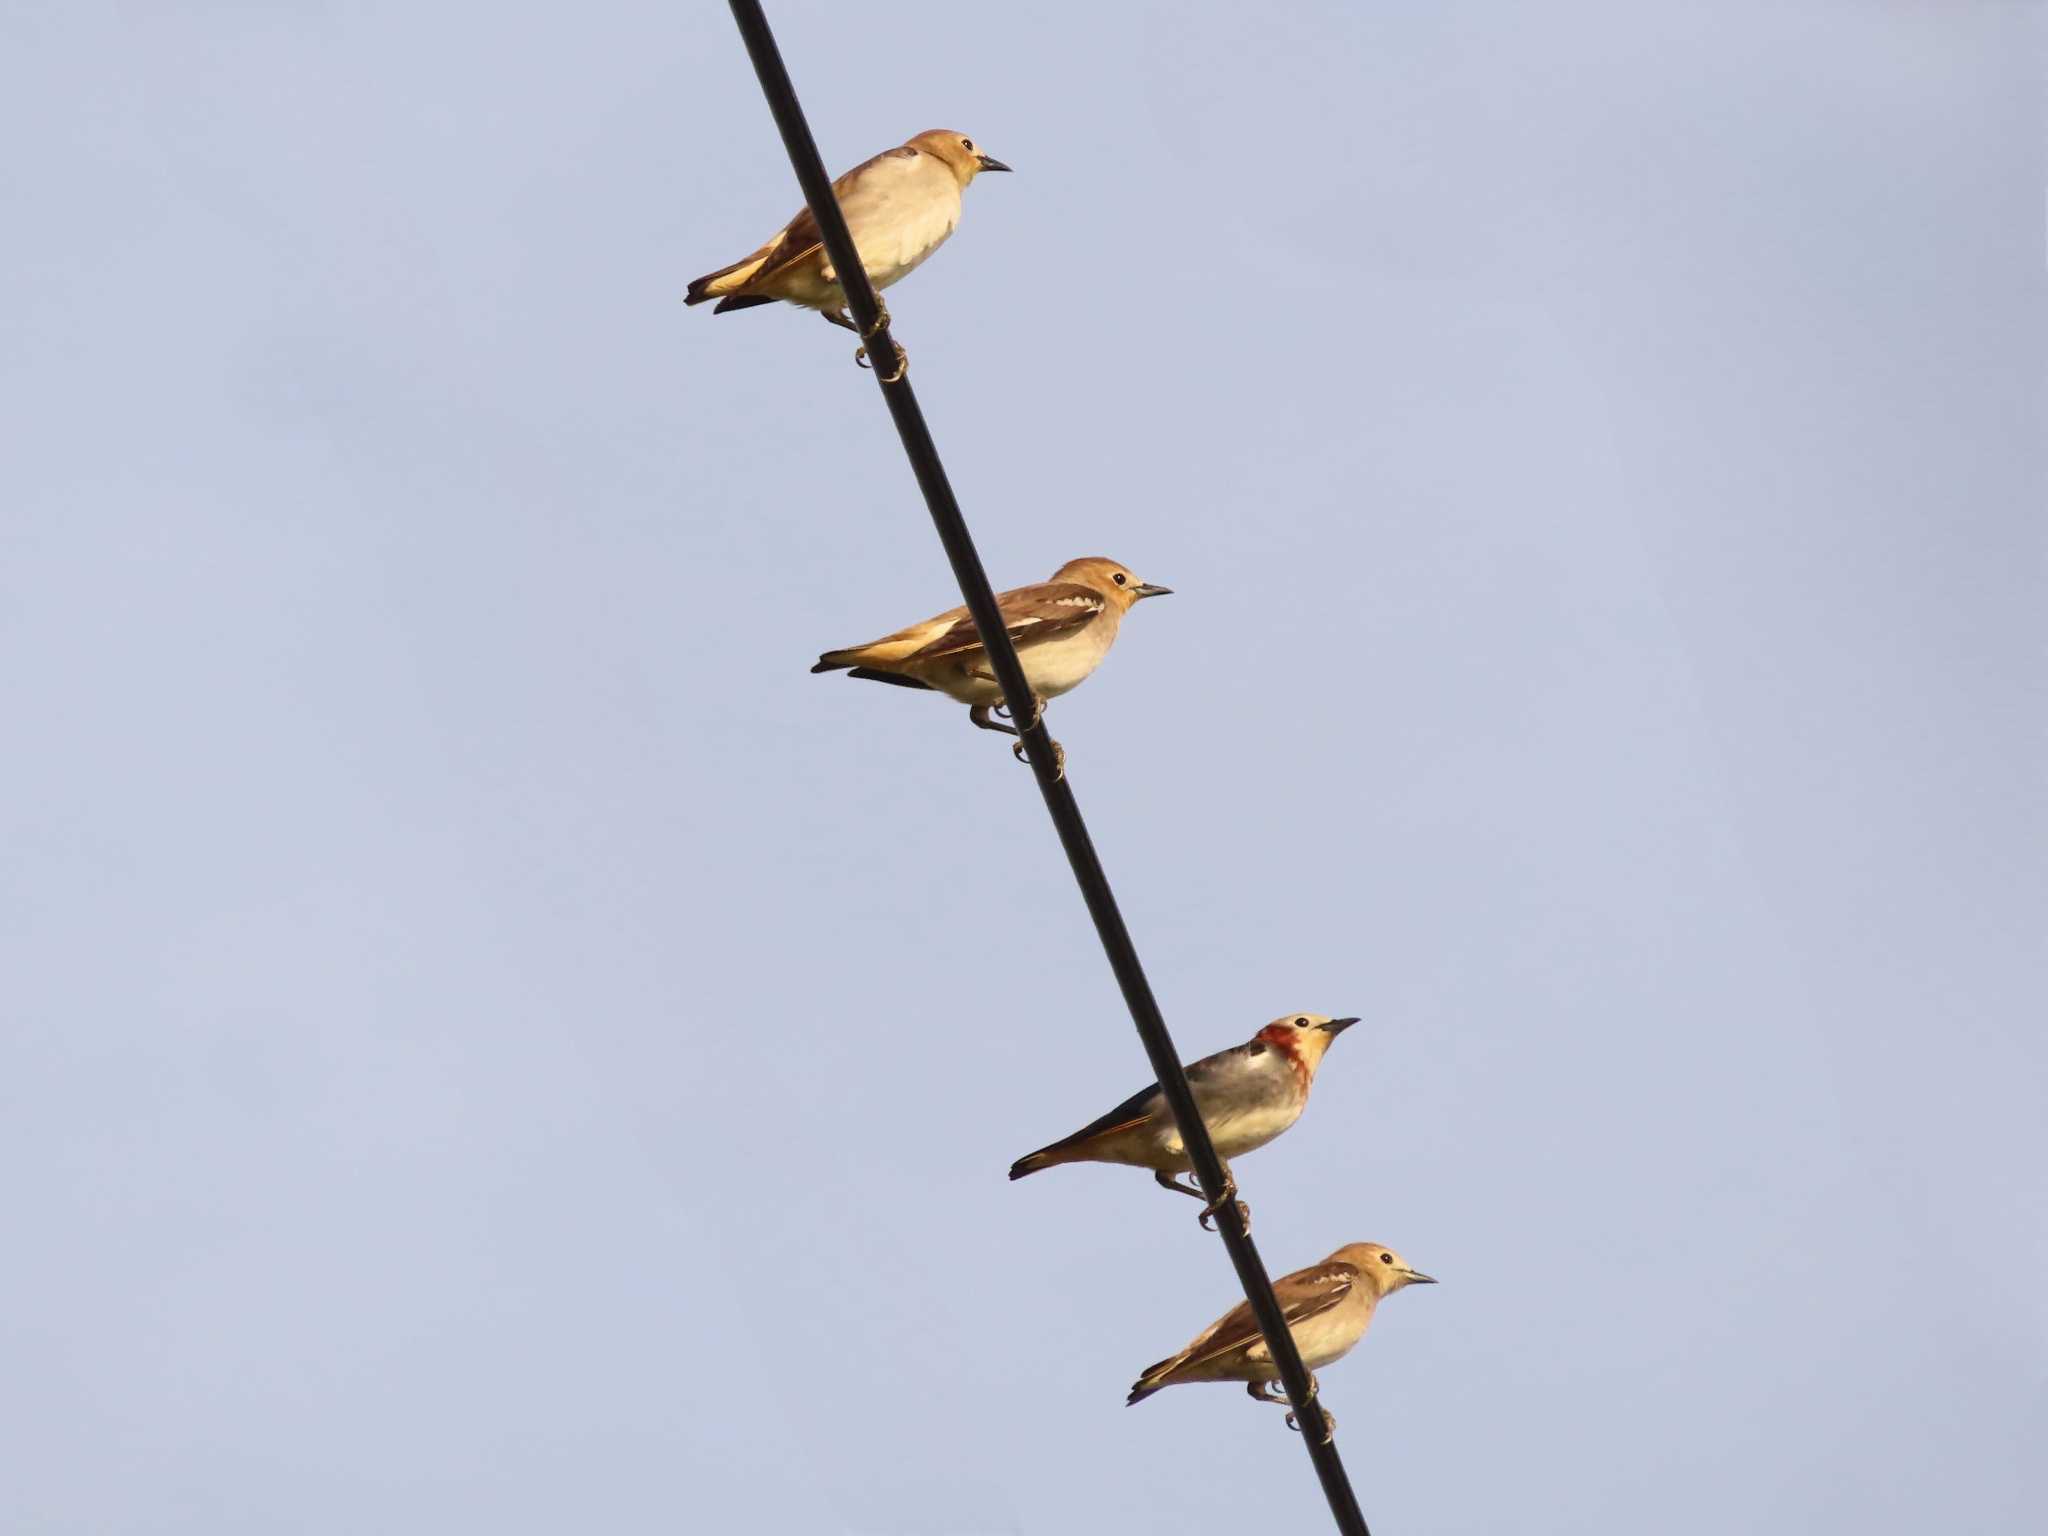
1417	1277
991	163
1148	590
1338	1026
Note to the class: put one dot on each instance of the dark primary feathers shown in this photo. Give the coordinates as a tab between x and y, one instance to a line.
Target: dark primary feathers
696	293
1140	1104
874	676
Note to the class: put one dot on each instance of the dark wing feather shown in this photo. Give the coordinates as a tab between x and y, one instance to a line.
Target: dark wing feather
1148	1101
876	675
1137	1107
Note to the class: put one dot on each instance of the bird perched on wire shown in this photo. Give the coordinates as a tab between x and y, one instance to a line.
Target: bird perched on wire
1062	629
1248	1095
1328	1307
899	207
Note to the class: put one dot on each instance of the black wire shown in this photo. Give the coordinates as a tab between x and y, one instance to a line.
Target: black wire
1059	797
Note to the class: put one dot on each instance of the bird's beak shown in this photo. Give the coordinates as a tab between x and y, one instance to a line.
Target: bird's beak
1338	1026
991	163
1148	590
1417	1277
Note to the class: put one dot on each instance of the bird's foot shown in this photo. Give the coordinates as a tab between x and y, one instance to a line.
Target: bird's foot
1037	713
881	320
1168	1181
840	318
1329	1418
1329	1426
1059	757
860	357
979	715
1228	1197
1268	1392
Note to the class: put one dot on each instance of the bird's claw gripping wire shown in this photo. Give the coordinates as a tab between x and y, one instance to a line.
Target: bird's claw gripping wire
860	353
1059	757
1037	714
979	714
860	358
1059	753
1228	1197
1329	1426
1261	1392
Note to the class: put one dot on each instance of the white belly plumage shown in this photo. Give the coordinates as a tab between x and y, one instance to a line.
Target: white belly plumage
1237	1130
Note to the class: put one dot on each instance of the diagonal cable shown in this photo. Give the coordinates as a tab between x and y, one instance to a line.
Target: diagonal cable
1059	796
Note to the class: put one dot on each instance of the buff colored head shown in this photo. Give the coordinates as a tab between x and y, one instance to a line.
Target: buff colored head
1303	1037
1384	1270
1113	581
960	153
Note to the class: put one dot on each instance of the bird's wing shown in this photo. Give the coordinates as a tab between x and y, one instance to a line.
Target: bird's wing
800	236
1030	614
1135	1110
1301	1295
1225	1063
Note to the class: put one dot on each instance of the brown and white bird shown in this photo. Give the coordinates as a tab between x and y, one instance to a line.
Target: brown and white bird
1062	629
1248	1095
1328	1307
900	207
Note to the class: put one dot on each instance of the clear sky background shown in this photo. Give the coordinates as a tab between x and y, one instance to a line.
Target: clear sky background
491	1044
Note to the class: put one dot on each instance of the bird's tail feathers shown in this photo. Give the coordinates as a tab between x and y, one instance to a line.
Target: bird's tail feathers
875	675
1051	1155
852	662
1153	1379
1033	1162
842	661
716	285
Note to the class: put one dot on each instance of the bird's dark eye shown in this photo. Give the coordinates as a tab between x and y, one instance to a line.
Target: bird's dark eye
1386	1258
967	144
1301	1023
1120	578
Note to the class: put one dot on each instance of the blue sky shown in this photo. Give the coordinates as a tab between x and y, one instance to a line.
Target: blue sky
487	1040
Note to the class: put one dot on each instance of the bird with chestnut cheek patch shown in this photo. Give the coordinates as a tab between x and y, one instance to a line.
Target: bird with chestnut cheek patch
1248	1095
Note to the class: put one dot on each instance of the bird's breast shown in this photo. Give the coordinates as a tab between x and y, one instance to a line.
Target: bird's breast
911	216
1058	665
1249	1103
1331	1335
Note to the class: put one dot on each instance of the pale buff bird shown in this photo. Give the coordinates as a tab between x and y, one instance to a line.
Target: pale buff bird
1328	1307
1062	629
899	207
1248	1095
